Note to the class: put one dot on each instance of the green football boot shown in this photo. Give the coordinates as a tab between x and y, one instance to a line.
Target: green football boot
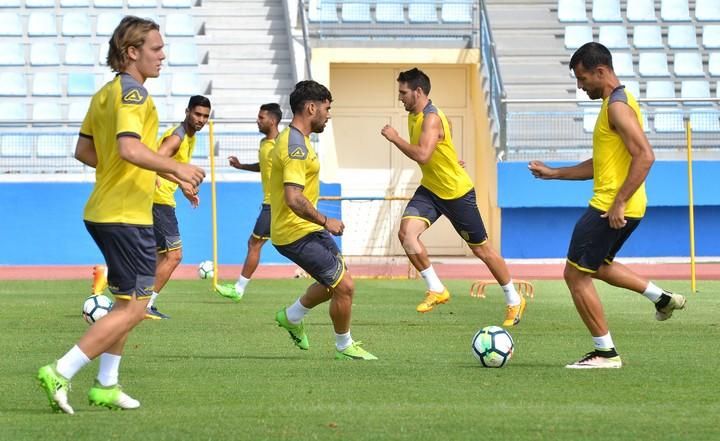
297	332
111	397
56	387
228	290
354	352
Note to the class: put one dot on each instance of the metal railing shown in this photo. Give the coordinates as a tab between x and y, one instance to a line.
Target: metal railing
495	90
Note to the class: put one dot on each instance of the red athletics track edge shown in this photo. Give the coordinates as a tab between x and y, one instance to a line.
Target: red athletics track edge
464	270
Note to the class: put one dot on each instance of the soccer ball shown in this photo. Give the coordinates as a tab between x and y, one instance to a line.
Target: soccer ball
205	269
492	346
96	307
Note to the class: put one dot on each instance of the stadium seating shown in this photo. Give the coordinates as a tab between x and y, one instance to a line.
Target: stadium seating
425	12
44	53
660	89
674	10
614	36
142	3
705	120
10	3
74	3
39	3
12	54
695	89
46	84
108	3
77	110
653	64
76	24
688	64
577	35
623	64
682	37
11	25
52	146
707	10
13	110
185	84
641	10
606	11
179	25
669	121
177	3
356	13
590	116
157	86
714	64
457	12
13	84
16	146
711	36
647	37
42	24
107	22
572	11
389	12
324	11
81	84
182	54
47	112
79	53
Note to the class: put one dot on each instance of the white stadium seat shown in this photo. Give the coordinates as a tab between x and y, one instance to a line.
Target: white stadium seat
606	11
44	53
674	10
12	84
42	24
641	10
572	11
653	64
79	53
647	37
688	64
46	84
682	37
707	10
613	36
577	35
11	25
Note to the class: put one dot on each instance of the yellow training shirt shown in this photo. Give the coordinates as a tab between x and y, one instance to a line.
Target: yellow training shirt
442	174
265	161
123	192
294	162
611	159
165	192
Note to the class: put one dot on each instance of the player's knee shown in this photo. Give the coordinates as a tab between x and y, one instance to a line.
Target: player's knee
175	256
483	252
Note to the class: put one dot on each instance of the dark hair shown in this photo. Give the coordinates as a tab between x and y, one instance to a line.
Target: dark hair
198	100
591	55
415	78
273	109
305	91
131	32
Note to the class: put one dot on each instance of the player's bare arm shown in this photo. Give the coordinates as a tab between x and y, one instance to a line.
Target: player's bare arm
579	172
235	162
624	121
85	151
135	152
432	132
169	147
302	207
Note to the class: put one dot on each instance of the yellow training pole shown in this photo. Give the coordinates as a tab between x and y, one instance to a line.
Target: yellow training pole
688	132
216	269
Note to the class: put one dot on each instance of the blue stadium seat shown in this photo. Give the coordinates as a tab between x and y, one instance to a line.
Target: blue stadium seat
674	10
186	84
653	64
641	10
12	54
80	84
682	37
182	54
707	10
577	35
177	3
79	53
711	37
606	11
688	64
76	24
423	12
42	24
647	37
714	64
389	11
107	22
11	25
52	146
179	25
46	84
572	11
142	3
74	3
157	86
39	3
12	84
44	53
658	89
590	116
705	120
695	89
457	12
16	146
613	36
669	121
47	112
355	12
108	3
623	64
77	110
322	11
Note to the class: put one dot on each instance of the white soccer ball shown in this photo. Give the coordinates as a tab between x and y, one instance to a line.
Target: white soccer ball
206	269
96	307
492	346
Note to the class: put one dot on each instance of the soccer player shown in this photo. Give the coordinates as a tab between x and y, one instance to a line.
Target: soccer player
445	190
621	160
300	232
178	142
268	118
118	139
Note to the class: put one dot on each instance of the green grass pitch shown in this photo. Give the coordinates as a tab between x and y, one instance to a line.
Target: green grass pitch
223	371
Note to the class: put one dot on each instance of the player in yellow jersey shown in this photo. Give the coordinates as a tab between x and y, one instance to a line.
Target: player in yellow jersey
303	234
178	142
268	118
621	160
445	190
118	139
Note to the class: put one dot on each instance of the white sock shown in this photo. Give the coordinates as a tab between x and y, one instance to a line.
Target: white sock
603	342
109	369
432	280
653	292
343	341
512	297
296	312
241	284
72	362
152	300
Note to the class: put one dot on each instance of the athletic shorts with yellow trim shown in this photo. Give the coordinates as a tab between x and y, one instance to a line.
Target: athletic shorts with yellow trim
318	255
262	224
166	228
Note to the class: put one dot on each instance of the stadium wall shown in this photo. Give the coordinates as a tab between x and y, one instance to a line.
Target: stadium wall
538	216
41	223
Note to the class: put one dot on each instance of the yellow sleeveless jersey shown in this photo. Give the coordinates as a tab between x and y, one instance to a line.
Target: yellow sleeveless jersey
294	162
165	192
611	159
123	192
265	161
442	175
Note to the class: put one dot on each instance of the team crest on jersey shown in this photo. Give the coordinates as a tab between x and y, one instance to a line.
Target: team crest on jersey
297	152
134	96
